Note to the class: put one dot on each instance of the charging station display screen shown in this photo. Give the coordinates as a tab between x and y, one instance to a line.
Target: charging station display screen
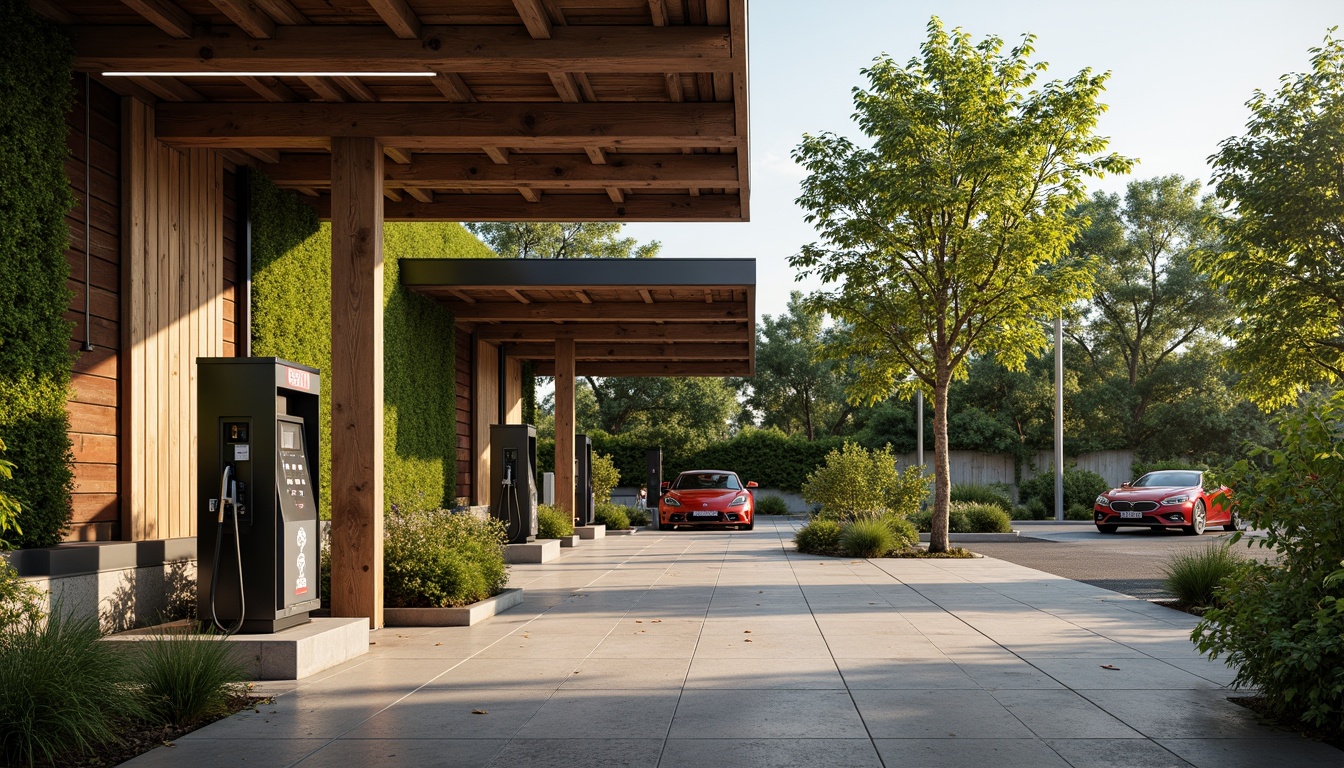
290	437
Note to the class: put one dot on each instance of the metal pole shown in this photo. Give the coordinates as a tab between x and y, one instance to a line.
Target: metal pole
919	426
1059	417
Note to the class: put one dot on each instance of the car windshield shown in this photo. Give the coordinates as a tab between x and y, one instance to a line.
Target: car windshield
693	481
1168	479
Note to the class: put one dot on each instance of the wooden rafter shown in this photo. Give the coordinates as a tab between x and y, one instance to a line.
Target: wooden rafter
530	195
397	155
248	17
53	11
590	331
583	297
616	195
637	351
658	12
269	88
392	194
648	368
399	17
645	295
324	87
626	311
535	18
423	195
168	88
566	86
453	88
497	155
596	156
598	207
499	50
355	88
264	155
515	293
282	11
165	15
461	296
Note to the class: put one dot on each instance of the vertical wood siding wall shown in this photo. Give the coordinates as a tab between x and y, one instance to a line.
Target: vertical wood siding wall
173	312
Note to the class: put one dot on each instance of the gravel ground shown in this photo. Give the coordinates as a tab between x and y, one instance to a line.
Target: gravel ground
1130	561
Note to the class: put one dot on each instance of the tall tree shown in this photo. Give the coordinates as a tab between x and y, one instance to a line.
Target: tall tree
555	240
947	236
1284	271
685	411
1151	304
794	388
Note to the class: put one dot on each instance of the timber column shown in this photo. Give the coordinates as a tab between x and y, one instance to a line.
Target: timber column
357	379
564	425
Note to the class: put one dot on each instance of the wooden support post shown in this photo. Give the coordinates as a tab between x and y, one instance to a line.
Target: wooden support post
357	379
564	424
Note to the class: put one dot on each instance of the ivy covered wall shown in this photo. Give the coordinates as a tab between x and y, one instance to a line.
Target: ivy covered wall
35	94
291	318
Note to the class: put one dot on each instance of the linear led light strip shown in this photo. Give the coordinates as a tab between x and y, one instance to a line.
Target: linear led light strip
269	74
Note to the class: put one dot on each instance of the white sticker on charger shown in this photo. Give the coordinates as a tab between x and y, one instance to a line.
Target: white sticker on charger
242	452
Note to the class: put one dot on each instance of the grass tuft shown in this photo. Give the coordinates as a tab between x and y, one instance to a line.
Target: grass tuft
1194	577
867	538
771	505
186	678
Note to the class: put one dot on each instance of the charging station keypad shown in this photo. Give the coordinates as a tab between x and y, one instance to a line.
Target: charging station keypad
297	491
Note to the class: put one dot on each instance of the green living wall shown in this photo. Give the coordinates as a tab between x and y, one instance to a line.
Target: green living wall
291	318
35	94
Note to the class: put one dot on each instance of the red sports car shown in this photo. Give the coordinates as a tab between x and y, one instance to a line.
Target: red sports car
707	497
1170	498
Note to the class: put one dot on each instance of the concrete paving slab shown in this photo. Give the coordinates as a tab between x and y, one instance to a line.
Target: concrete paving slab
923	662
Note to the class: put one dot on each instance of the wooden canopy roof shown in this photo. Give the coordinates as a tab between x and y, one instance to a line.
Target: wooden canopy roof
628	317
560	110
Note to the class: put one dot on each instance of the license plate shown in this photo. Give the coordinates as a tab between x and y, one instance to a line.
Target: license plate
1136	515
714	515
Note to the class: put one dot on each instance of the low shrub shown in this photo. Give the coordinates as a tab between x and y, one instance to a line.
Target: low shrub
1194	577
438	559
1036	509
611	515
867	538
1081	487
1021	512
855	480
771	505
604	477
1078	512
819	537
20	602
637	515
985	518
61	690
982	494
553	523
903	530
956	520
9	506
185	678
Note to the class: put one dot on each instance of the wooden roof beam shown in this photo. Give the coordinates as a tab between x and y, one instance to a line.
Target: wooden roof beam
282	11
168	88
248	17
645	295
530	195
453	126
616	195
497	155
264	155
607	332
535	18
325	88
545	171
398	16
423	195
588	350
164	15
658	12
625	311
355	88
364	48
453	88
649	368
579	207
515	293
269	88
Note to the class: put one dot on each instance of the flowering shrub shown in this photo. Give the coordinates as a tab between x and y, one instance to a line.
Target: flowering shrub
438	559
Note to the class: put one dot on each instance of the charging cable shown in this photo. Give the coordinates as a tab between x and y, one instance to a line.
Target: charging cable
227	498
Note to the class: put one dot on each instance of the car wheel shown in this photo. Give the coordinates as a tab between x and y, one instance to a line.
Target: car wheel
1199	518
1104	528
751	524
1234	524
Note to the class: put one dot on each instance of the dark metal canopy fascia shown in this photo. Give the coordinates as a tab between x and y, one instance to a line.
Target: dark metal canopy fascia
577	273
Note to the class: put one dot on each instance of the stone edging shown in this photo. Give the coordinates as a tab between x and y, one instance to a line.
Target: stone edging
464	616
974	537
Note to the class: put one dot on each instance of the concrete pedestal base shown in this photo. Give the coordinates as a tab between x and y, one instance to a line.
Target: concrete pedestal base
626	532
590	531
569	541
290	654
539	551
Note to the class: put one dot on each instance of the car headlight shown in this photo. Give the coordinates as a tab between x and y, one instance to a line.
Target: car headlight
738	500
1172	501
671	502
1102	501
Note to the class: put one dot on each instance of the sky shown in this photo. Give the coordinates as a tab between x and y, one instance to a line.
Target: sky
1181	73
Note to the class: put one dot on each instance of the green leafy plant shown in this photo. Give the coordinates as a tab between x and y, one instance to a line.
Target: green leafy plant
981	494
438	559
637	516
1281	625
1194	577
985	518
818	537
553	523
956	519
611	515
771	505
867	538
61	690
604	476
20	602
1035	509
903	530
1081	488
855	481
1078	512
185	678
9	506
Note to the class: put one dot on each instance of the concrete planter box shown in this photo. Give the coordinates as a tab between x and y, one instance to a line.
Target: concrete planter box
569	541
590	531
968	538
626	532
539	551
465	616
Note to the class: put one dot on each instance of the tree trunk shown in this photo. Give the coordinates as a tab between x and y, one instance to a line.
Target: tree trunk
942	480
807	416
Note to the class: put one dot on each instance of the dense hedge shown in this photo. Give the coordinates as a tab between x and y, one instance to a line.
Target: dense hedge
291	318
35	93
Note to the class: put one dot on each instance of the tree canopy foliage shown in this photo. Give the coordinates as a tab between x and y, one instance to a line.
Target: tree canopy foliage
556	240
1284	270
946	236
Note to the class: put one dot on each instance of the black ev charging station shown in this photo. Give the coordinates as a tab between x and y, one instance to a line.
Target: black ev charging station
513	480
653	479
584	507
257	536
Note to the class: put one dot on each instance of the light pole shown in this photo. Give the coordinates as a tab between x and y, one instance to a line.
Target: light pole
1059	417
919	427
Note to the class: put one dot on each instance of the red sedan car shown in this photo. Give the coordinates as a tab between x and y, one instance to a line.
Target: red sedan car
707	497
1167	499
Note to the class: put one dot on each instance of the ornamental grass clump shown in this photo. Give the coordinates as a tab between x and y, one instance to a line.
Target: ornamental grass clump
186	678
553	523
61	691
867	538
771	505
1194	578
440	559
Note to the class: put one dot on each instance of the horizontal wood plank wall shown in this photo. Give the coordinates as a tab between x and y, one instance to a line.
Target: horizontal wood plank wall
465	463
93	404
485	398
173	306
